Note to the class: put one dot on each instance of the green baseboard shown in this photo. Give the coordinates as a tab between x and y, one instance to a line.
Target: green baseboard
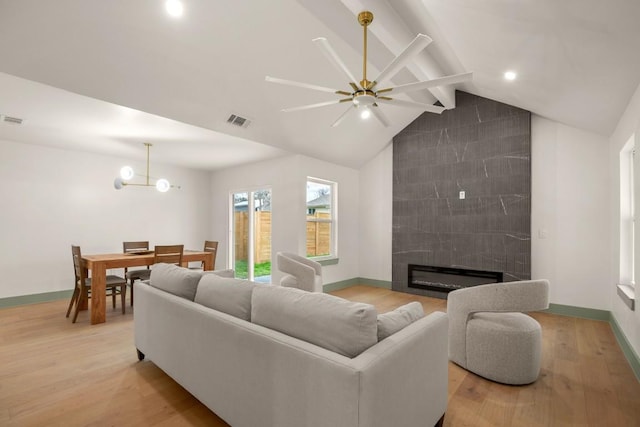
34	298
343	284
584	313
336	286
628	351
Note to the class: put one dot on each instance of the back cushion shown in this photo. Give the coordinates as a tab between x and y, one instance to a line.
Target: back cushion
231	296
391	322
176	280
229	272
342	326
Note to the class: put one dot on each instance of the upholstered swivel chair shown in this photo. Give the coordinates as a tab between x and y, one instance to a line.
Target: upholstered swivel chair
302	273
490	336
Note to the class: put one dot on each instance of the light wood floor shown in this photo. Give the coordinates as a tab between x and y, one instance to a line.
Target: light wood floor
55	373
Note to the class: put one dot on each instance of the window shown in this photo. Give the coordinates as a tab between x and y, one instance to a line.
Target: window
321	219
627	214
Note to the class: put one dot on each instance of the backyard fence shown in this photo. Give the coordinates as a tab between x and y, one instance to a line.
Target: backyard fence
318	236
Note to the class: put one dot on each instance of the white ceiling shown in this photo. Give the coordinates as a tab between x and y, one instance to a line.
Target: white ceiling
113	74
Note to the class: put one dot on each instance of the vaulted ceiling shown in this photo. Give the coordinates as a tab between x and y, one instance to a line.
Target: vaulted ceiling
106	76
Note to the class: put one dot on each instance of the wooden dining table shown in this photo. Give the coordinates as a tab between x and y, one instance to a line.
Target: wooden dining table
100	263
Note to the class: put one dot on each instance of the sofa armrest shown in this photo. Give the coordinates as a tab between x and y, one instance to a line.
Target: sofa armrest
404	377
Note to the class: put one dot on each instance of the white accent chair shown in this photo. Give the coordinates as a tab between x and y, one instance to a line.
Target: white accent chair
302	273
490	336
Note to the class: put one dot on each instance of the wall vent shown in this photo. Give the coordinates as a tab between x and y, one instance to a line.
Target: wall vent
239	121
13	120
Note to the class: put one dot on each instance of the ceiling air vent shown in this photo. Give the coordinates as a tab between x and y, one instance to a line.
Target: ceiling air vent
236	120
13	120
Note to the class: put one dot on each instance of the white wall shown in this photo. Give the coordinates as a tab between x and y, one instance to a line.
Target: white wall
570	199
376	208
287	179
628	125
570	204
52	198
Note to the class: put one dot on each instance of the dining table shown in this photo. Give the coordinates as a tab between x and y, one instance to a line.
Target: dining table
99	264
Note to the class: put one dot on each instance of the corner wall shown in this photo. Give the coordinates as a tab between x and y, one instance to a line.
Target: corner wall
287	177
53	198
629	124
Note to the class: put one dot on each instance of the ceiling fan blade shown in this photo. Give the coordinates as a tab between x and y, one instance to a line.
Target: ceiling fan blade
402	103
342	116
331	54
441	81
378	114
420	42
321	104
305	85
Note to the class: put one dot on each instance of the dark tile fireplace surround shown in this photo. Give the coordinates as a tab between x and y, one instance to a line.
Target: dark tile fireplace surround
482	148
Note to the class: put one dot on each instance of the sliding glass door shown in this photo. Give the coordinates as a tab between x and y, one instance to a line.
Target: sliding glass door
250	232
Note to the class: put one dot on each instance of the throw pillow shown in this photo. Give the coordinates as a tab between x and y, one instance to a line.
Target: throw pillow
342	326
228	295
391	322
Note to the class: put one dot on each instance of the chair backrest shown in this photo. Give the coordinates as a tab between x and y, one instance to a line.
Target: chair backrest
169	254
80	273
211	246
134	246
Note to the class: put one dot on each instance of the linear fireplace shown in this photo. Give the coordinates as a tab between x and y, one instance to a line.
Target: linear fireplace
447	279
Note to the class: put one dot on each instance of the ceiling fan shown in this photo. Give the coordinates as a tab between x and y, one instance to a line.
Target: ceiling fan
364	95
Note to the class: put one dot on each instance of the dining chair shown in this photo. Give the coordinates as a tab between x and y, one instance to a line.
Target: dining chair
209	246
139	274
115	285
169	254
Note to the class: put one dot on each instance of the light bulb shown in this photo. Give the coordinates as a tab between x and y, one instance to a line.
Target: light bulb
162	185
510	75
126	173
174	8
365	114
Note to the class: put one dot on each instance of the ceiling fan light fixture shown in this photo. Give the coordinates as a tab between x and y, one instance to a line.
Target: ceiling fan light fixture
365	113
365	93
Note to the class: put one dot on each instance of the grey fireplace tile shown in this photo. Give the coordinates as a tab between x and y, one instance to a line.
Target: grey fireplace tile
490	110
505	126
467	133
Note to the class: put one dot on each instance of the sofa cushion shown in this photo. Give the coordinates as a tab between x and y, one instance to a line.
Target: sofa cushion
229	272
176	280
342	326
228	295
391	322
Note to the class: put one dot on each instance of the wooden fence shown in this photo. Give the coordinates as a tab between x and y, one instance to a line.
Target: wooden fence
318	236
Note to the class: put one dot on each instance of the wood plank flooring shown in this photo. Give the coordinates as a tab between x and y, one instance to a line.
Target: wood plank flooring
55	373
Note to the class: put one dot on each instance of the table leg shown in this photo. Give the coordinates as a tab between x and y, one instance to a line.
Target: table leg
98	293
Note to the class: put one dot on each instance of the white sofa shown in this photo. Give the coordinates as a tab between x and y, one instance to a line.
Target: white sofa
251	375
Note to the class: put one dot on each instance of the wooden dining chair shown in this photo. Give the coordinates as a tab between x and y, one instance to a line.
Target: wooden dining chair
169	254
115	285
209	246
139	274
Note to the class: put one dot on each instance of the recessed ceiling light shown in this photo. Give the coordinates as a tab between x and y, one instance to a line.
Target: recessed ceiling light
174	8
510	75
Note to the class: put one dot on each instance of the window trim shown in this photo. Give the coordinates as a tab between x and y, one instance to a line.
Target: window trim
333	244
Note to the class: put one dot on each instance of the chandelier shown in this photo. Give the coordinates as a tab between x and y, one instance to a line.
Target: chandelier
127	173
